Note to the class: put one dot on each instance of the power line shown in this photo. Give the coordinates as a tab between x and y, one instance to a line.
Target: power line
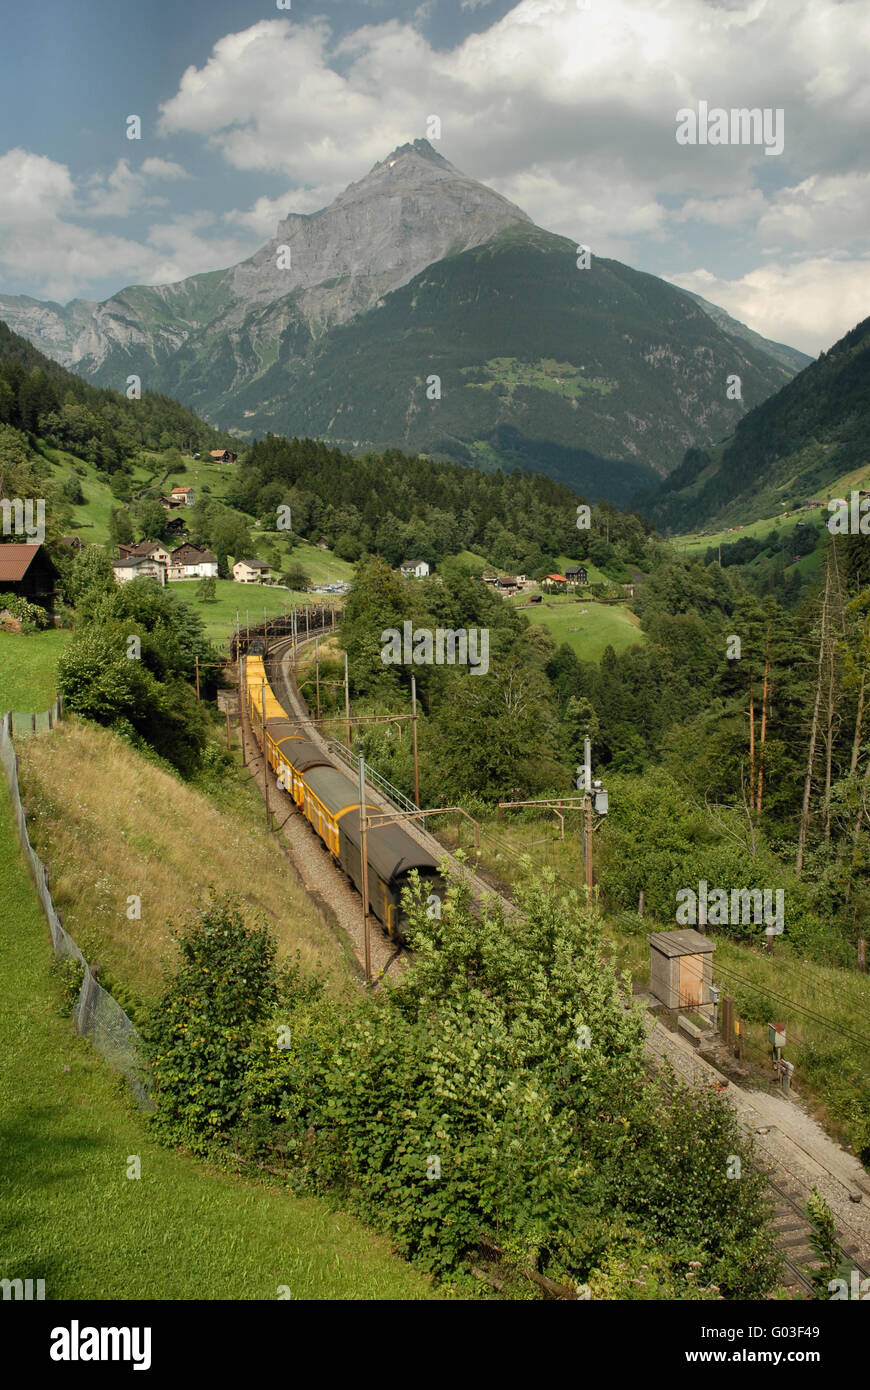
799	1008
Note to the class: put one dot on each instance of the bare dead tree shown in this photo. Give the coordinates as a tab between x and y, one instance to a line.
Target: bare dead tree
814	729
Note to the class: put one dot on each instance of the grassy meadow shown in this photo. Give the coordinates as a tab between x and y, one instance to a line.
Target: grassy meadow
248	600
28	668
588	627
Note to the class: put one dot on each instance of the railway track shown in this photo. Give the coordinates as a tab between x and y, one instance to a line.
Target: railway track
792	1230
791	1227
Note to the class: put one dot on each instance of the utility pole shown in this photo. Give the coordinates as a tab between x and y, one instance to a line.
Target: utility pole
242	709
196	663
265	756
414	728
346	703
365	867
587	761
317	674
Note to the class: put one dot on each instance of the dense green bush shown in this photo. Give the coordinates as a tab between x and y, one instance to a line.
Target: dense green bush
501	1089
30	615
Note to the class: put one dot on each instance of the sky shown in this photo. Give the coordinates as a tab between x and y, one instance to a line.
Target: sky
250	111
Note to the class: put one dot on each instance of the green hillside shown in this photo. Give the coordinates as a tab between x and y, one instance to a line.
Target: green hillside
541	366
789	450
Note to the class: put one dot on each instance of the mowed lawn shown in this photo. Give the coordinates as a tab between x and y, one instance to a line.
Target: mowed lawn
70	1215
588	627
28	669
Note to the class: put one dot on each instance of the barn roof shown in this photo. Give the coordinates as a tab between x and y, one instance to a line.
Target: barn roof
15	561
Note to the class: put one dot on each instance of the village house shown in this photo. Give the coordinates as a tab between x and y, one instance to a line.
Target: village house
576	574
323	543
155	551
250	571
189	562
415	569
27	571
554	582
222	456
132	566
184	495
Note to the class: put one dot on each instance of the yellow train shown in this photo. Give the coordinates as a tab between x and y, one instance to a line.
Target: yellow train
329	799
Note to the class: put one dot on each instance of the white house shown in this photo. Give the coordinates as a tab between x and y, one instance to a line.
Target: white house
150	558
416	569
189	562
250	571
134	565
185	495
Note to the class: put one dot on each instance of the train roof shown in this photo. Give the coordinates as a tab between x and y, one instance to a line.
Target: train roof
299	751
332	787
391	850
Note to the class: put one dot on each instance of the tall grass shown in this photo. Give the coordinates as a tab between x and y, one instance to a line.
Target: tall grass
114	827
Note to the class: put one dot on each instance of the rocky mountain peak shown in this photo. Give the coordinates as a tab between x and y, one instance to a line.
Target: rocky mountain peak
412	209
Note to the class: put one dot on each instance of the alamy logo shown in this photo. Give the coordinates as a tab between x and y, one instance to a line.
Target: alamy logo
741	906
22	1289
857	1288
453	647
739	126
76	1343
850	518
18	518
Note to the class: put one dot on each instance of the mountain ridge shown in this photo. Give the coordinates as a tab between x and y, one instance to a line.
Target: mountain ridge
784	452
265	343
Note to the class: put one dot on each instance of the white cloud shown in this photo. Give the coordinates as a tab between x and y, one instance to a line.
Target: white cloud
34	188
43	244
163	169
732	210
809	303
119	193
823	210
